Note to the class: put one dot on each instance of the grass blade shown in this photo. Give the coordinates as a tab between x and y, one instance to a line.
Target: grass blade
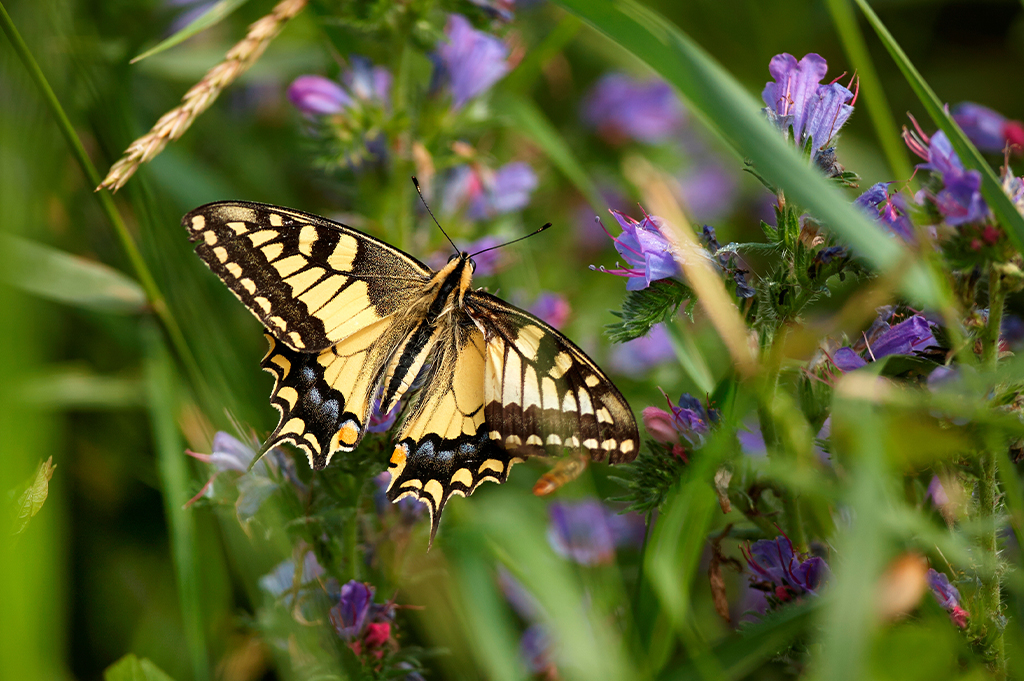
871	91
991	187
219	11
162	389
726	107
51	273
741	656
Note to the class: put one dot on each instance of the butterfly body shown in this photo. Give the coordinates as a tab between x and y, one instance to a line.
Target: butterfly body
352	320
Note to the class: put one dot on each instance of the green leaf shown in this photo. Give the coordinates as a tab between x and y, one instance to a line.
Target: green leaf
991	188
217	12
723	104
641	310
77	387
132	668
742	655
31	500
56	275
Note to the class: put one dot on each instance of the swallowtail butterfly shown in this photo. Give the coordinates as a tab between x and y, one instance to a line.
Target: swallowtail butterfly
351	319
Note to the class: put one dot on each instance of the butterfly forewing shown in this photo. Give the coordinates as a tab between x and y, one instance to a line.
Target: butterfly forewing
311	281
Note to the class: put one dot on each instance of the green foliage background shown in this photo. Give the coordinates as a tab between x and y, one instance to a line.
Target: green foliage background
112	564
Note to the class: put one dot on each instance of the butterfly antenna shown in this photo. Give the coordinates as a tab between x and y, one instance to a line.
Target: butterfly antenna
508	243
419	191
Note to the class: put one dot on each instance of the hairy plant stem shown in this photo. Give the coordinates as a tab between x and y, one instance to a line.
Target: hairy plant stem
990	594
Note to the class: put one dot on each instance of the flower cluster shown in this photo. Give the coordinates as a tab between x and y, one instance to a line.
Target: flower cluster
888	209
486	193
778	571
988	129
620	108
959	201
588	532
468	61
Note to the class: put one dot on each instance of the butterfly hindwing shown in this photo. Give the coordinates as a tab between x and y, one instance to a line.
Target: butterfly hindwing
311	281
443	448
325	398
543	394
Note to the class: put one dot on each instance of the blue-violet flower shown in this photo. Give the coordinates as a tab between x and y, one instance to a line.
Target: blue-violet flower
888	209
647	252
777	570
621	108
471	60
987	129
797	100
948	597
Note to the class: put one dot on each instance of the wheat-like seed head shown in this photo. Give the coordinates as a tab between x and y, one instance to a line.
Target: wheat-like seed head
200	96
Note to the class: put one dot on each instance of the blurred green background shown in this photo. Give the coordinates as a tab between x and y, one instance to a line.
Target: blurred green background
92	578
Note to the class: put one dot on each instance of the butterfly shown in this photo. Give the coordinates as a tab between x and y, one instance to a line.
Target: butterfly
354	323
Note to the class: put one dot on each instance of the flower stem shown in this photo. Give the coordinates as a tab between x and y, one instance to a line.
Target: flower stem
990	594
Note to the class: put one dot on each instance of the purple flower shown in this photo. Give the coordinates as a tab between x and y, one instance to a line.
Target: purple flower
948	597
960	200
350	614
936	492
688	421
381	423
888	209
587	532
231	454
622	108
987	129
552	308
777	570
472	61
646	250
797	100
910	336
639	355
486	193
319	96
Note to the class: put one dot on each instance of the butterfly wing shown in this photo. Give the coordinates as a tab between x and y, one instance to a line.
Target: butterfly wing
332	300
505	386
542	393
311	281
443	448
325	398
